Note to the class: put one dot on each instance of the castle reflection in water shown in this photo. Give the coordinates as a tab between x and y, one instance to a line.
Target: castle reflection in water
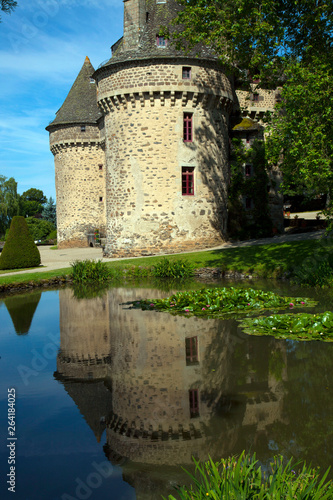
167	388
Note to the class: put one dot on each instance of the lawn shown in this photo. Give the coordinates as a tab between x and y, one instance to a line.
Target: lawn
271	260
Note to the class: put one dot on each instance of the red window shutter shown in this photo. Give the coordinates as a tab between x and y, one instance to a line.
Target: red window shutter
188	127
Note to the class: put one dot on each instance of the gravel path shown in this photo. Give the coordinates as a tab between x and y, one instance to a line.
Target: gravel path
58	259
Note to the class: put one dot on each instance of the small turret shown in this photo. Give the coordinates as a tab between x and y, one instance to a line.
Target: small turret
77	145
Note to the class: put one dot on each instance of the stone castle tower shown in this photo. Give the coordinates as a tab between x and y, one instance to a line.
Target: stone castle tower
141	145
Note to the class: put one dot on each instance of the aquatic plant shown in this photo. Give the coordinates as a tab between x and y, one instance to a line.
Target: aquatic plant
212	302
301	326
243	478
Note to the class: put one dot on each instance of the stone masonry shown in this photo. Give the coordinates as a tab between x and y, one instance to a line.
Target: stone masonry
123	161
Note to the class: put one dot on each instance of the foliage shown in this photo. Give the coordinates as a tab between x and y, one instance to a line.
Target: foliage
255	223
301	133
301	326
7	6
8	202
243	478
32	202
212	302
49	212
20	250
52	235
89	290
255	35
177	269
92	271
318	275
39	228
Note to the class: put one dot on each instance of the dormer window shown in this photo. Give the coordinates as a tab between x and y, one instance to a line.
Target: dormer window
161	41
92	80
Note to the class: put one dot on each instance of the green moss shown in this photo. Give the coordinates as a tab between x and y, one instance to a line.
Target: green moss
20	250
246	123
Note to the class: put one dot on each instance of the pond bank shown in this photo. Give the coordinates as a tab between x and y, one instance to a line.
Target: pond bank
267	258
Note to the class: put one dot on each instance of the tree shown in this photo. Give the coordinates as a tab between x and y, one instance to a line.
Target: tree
39	228
9	204
301	132
288	42
7	6
32	202
20	250
49	212
256	35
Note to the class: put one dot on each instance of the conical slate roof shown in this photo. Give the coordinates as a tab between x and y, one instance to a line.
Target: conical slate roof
80	105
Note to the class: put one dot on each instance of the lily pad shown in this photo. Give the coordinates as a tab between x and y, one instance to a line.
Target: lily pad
300	326
222	302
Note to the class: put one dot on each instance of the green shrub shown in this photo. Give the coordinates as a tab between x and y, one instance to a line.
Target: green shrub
167	268
92	271
52	235
20	250
242	478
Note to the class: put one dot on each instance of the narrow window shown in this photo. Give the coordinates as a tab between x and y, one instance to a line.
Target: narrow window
248	170
188	127
194	402
147	17
83	128
191	348
161	41
248	138
100	166
187	181
101	198
256	97
186	73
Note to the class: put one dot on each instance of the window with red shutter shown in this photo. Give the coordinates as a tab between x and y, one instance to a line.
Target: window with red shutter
194	403
188	127
187	181
191	348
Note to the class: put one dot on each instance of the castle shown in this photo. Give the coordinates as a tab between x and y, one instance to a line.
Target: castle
141	145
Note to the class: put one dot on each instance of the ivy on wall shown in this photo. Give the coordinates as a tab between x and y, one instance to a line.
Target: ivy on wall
254	221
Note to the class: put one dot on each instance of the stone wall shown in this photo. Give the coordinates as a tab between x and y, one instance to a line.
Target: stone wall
266	100
80	183
145	153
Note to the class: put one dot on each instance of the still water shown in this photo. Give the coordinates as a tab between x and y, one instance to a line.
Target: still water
111	401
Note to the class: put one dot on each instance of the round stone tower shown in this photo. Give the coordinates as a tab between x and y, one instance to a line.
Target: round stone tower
76	142
166	139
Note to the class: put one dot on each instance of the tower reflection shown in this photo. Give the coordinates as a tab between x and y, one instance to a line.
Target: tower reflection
167	387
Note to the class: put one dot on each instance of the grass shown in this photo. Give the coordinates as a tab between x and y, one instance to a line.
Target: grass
271	260
240	478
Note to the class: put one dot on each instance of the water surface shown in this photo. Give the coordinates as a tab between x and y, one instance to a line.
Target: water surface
111	401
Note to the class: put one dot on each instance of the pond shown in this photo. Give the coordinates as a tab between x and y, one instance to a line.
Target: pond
111	401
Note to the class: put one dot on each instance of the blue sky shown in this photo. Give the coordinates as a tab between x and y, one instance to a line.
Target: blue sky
43	47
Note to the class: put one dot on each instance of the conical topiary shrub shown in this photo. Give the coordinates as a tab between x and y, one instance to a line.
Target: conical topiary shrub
20	250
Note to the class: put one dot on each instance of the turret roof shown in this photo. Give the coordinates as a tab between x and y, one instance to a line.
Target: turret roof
80	105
